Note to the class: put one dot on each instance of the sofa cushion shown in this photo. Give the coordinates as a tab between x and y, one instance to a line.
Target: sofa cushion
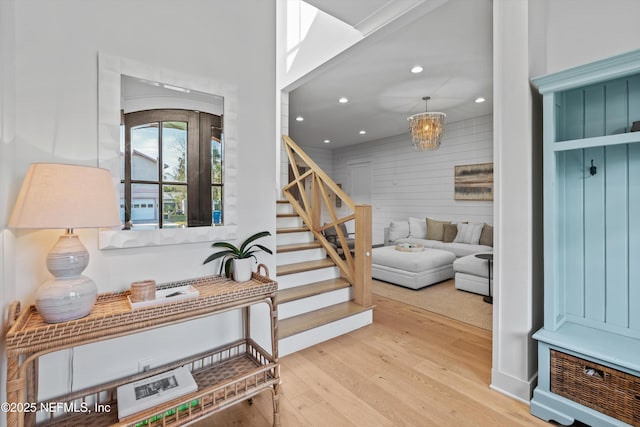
435	229
469	233
398	230
486	237
417	228
470	264
463	249
450	232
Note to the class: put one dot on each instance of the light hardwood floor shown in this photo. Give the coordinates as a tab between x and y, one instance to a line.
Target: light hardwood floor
409	368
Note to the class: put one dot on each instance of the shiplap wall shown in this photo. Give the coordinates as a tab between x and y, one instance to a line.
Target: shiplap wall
419	184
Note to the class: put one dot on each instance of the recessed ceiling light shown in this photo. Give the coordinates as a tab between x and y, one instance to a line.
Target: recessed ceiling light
416	69
480	100
299	118
343	100
362	132
326	141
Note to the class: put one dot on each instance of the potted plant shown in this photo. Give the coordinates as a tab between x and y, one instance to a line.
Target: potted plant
238	261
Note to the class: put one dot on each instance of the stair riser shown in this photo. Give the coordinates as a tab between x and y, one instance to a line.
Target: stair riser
323	333
284	222
316	302
283	208
300	256
306	277
291	238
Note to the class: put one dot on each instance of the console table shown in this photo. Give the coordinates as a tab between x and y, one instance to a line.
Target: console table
225	375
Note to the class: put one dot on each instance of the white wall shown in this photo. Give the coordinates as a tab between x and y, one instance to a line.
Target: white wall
55	119
312	46
7	149
420	184
583	31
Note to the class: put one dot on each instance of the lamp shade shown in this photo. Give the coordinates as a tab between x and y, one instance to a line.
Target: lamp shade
57	195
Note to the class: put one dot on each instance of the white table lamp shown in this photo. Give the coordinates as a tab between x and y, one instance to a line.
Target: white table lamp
66	196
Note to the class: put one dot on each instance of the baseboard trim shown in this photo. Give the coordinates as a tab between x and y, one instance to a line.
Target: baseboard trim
513	387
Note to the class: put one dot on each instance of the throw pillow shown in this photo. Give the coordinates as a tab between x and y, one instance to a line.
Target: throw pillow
486	237
469	233
435	229
450	232
417	228
398	230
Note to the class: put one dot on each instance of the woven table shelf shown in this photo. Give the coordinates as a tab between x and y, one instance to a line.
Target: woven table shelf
225	375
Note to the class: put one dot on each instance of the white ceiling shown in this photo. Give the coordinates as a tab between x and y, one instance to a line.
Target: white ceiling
453	43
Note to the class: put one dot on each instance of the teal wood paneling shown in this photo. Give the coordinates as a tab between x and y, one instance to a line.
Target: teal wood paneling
616	107
594	113
634	236
616	190
573	122
594	235
634	100
572	226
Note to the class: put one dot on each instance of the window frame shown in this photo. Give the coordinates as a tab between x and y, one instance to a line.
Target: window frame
198	159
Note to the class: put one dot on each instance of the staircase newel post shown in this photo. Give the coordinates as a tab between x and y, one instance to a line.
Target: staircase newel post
362	276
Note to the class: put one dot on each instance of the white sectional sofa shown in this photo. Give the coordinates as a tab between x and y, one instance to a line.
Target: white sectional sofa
462	239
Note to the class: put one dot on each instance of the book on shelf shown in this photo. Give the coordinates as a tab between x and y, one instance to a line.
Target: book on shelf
152	391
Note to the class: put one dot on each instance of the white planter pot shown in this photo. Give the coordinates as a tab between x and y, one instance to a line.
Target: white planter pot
242	269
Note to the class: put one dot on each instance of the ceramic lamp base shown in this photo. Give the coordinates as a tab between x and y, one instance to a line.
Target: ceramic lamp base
60	300
69	295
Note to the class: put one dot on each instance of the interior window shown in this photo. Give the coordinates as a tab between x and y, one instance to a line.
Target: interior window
171	171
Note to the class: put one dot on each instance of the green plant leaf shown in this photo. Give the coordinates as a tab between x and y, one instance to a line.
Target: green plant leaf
252	238
226	245
217	255
264	248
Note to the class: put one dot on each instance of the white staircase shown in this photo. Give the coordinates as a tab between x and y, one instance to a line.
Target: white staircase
314	302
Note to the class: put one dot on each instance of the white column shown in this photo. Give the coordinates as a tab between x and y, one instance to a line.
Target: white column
514	352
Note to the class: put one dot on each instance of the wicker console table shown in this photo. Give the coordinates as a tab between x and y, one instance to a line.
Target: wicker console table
226	375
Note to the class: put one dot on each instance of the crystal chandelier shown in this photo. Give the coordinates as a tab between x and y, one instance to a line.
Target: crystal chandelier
426	129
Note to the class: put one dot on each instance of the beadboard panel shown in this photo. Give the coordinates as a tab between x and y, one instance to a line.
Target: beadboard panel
602	109
594	232
599	236
634	233
420	184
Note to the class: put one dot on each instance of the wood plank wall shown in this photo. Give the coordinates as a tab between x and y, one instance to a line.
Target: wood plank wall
420	184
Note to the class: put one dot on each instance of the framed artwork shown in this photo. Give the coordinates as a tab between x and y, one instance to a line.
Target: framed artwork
473	182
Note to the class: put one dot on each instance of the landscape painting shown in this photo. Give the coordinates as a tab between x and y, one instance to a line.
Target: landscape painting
473	182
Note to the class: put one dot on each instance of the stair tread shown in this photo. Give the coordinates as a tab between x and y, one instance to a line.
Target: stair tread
287	215
297	247
299	267
313	319
282	201
292	229
311	289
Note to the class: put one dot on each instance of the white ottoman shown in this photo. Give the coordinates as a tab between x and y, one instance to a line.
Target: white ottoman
472	274
413	270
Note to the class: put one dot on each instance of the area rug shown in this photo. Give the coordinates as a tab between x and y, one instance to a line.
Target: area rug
442	298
